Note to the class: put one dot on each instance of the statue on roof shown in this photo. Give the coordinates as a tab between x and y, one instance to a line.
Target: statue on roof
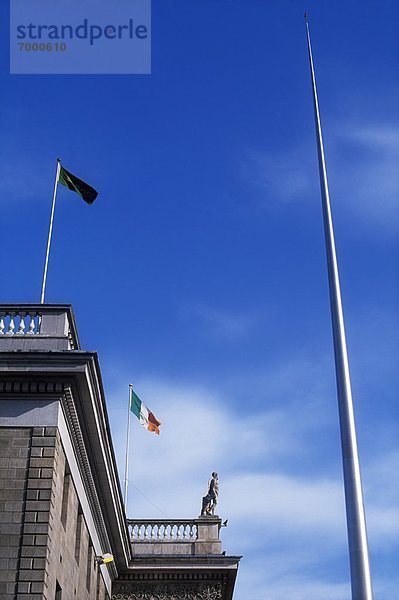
210	501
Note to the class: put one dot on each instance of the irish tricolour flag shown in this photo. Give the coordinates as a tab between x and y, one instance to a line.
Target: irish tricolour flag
144	415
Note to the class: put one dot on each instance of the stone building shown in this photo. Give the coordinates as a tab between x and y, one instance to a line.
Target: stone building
61	507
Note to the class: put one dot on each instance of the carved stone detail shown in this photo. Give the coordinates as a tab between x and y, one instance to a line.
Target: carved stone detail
167	591
85	469
31	387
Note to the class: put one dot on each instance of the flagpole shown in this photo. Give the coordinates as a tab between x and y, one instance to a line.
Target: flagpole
50	231
355	514
127	448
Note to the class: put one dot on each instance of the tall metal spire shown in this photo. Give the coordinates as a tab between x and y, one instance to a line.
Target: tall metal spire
355	517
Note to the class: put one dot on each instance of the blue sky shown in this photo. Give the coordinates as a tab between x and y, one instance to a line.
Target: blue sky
199	274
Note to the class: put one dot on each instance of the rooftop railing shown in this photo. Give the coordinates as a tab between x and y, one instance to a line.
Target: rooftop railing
171	530
175	536
37	327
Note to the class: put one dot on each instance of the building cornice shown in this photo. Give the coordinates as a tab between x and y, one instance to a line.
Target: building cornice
74	379
75	433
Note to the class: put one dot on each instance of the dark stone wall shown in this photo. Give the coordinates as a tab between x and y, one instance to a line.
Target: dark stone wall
14	458
45	545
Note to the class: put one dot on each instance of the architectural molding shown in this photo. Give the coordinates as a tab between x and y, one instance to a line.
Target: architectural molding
75	432
31	387
167	591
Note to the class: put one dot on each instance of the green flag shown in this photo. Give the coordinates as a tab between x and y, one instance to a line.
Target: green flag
75	184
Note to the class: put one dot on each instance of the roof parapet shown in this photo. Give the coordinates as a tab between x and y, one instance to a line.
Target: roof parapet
37	327
179	537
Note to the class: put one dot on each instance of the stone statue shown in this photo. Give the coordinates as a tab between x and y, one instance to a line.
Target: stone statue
210	501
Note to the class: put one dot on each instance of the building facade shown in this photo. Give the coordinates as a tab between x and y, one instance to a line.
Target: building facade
61	507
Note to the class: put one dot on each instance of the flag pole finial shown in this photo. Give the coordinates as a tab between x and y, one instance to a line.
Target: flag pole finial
306	17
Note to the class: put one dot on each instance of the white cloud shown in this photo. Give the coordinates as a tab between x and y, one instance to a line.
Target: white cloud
200	434
362	163
285	176
25	174
380	472
285	502
376	137
24	180
382	495
268	581
197	431
289	525
368	183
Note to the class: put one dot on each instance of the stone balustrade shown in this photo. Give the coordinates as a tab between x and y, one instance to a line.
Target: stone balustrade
20	323
37	327
175	536
166	530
